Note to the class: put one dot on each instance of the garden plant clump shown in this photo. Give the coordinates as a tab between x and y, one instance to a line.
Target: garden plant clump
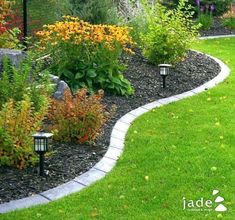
205	15
228	19
23	107
88	55
96	11
77	118
8	36
26	107
220	6
165	35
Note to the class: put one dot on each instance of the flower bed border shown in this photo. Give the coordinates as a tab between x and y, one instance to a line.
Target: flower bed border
116	146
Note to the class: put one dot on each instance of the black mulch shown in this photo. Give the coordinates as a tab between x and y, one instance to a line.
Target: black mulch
217	29
70	160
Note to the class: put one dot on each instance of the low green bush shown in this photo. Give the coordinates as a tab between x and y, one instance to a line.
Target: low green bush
168	33
15	82
229	22
206	21
95	11
220	6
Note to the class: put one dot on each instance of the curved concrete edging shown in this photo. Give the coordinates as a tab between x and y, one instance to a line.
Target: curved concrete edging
216	37
114	151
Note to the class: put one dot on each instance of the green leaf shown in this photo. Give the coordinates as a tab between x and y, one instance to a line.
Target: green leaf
79	75
91	73
89	83
68	74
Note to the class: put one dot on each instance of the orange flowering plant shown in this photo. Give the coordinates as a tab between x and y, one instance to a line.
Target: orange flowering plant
77	118
88	55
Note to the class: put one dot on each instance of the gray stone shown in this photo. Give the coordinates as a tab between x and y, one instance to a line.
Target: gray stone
15	56
113	153
61	87
23	203
55	79
105	164
90	177
63	190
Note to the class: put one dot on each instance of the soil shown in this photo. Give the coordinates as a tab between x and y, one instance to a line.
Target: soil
68	160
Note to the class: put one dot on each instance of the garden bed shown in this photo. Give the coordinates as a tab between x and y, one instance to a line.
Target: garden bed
69	160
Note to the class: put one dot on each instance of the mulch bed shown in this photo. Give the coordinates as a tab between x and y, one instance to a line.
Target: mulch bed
217	29
69	160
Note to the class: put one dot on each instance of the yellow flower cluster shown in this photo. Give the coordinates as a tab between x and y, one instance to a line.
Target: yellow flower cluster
76	31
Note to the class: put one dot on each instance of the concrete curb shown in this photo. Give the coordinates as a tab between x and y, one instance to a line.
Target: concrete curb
216	37
114	151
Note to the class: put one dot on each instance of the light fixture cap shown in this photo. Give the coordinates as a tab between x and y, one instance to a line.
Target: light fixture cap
42	135
165	65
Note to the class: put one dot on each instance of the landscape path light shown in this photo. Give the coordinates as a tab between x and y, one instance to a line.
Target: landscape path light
25	23
41	144
164	70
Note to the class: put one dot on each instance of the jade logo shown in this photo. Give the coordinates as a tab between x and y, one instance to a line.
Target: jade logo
203	204
220	207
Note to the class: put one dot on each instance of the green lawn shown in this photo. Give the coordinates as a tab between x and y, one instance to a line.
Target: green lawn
185	149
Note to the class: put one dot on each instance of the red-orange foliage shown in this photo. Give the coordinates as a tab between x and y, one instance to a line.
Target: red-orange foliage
77	118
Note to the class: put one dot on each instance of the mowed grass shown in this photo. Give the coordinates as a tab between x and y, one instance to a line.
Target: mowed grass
185	149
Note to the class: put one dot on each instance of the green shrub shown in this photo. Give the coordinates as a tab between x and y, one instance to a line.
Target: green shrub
229	22
169	33
15	82
221	6
18	121
77	118
95	11
88	55
205	20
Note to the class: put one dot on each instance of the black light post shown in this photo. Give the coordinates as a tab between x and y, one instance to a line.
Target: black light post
41	142
25	22
164	72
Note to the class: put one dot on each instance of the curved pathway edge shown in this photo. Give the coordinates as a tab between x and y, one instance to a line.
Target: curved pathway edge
115	149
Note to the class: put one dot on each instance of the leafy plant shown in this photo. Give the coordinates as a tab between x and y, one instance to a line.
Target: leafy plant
168	33
219	6
15	82
9	38
88	55
5	9
18	121
96	11
77	118
229	22
205	20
